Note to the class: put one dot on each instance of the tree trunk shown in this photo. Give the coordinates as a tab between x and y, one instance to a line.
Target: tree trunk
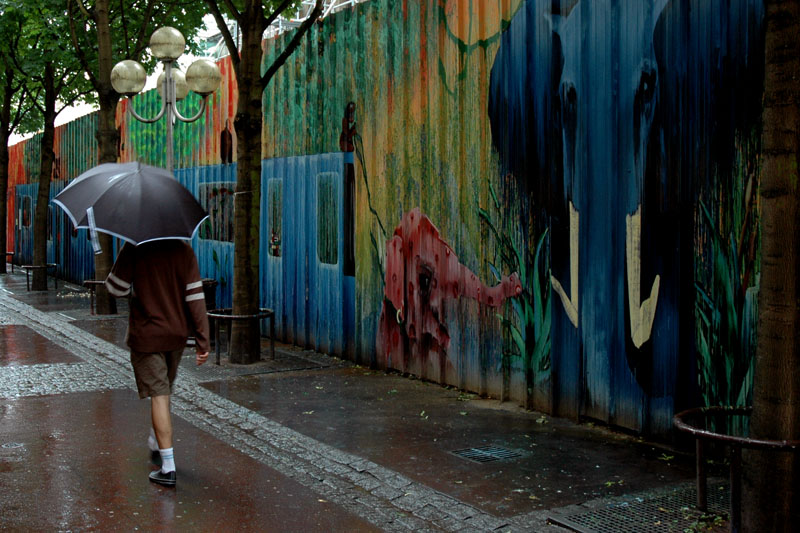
41	214
246	336
771	480
5	130
107	136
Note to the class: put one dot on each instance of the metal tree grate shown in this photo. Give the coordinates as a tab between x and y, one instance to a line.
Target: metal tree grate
674	511
486	454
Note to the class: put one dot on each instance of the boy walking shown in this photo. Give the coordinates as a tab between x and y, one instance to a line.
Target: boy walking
166	307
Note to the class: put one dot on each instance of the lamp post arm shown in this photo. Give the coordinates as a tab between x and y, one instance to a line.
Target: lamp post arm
142	119
192	119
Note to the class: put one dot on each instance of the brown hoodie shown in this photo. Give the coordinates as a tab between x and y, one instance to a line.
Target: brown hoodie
167	302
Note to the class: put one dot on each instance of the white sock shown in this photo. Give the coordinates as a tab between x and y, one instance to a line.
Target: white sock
152	443
167	460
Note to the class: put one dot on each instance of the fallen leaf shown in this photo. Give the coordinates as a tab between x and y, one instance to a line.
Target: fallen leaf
463	413
308	412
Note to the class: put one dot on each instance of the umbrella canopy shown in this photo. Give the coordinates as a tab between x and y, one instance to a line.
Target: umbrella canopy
135	202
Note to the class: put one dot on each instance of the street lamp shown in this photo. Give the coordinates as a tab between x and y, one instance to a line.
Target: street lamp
167	44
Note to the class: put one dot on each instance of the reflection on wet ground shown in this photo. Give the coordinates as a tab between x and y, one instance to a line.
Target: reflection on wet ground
86	461
413	427
110	329
20	345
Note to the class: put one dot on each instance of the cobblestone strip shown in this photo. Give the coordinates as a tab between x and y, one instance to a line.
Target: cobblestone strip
40	380
380	495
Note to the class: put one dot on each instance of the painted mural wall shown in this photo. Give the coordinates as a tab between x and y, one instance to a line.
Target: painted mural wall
555	201
603	154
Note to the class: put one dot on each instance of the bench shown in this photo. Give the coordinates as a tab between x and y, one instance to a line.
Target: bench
92	285
29	268
219	315
10	259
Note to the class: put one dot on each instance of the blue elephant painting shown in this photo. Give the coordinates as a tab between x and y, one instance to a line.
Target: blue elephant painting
616	117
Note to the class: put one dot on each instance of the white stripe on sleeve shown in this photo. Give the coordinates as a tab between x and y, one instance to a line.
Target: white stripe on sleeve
194	285
121	283
115	291
198	296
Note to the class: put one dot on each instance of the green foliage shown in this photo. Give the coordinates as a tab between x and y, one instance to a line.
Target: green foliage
33	32
727	283
220	268
130	23
529	326
726	317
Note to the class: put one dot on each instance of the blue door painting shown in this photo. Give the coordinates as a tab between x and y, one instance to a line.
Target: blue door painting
302	251
23	224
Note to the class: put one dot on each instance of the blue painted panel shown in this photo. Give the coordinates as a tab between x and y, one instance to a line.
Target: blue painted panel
326	278
273	253
297	230
214	257
349	317
72	253
23	243
307	291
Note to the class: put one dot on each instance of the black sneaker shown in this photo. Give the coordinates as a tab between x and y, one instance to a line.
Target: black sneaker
155	457
163	478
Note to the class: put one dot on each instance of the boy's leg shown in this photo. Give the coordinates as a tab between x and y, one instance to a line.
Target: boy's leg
162	421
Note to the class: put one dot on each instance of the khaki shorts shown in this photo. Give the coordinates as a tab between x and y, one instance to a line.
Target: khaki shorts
155	372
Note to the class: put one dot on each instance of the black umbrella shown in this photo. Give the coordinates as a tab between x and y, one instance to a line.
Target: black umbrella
135	202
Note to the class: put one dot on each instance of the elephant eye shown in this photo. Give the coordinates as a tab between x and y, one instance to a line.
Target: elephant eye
424	277
647	85
424	282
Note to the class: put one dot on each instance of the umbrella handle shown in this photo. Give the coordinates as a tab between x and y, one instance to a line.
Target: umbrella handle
93	231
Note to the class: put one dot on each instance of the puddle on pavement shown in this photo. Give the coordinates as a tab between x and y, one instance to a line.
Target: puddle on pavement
20	345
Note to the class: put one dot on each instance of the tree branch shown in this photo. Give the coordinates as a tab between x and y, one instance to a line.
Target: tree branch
86	13
78	50
233	11
226	34
141	36
21	109
125	25
278	10
293	44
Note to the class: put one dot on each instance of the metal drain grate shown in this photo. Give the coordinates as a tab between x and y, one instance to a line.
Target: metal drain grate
486	454
674	511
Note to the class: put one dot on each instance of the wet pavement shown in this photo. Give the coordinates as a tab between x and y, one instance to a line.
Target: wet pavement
305	442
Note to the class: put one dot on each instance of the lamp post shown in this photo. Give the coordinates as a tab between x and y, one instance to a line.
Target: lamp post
167	44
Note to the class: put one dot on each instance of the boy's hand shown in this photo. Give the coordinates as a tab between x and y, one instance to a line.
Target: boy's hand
201	358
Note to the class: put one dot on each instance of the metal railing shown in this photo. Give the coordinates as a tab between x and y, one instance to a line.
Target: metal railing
735	444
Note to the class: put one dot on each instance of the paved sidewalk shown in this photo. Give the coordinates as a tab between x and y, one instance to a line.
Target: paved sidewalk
303	443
